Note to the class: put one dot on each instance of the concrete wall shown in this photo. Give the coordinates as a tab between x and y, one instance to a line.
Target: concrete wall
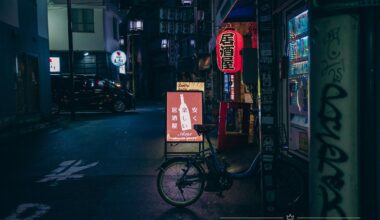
81	41
111	43
333	173
377	108
22	31
7	73
42	17
9	12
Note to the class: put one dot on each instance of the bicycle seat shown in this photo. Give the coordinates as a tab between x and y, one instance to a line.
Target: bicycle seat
204	128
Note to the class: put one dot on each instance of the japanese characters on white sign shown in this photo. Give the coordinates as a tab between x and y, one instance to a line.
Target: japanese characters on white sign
118	58
55	66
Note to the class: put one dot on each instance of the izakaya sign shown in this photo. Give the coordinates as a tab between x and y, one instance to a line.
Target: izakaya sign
55	65
228	46
118	58
183	111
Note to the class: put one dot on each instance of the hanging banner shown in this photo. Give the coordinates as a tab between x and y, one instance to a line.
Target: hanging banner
229	43
183	111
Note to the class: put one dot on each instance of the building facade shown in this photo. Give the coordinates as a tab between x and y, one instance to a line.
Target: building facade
24	53
174	38
316	64
95	27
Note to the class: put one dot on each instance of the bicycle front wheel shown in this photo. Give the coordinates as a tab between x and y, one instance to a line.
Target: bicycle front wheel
180	183
290	184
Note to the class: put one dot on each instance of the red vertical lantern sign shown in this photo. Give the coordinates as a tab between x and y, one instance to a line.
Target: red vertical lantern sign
229	43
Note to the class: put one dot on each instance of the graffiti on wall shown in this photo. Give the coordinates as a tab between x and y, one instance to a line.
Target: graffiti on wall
334	146
331	154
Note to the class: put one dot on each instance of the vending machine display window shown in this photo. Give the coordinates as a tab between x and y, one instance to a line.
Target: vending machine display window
298	82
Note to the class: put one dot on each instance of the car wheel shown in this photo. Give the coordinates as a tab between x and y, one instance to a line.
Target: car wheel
118	106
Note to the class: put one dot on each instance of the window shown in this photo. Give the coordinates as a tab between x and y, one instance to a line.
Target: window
115	28
83	20
137	25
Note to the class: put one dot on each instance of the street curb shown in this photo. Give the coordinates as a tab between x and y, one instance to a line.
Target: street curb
28	128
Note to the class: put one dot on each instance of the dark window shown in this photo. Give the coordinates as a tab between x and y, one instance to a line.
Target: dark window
115	29
85	64
83	20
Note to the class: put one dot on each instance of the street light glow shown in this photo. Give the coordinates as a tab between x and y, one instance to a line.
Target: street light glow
187	2
164	43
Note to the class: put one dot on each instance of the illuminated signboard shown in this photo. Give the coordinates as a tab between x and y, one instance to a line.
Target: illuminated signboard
118	58
55	65
183	111
191	86
228	46
232	89
122	69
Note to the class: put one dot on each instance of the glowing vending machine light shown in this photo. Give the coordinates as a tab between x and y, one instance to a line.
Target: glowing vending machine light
298	83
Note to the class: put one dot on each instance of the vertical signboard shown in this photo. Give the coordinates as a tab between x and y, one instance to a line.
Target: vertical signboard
55	64
267	105
122	69
183	111
334	120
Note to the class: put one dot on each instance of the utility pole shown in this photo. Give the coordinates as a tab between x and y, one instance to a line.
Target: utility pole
131	66
71	58
196	36
133	71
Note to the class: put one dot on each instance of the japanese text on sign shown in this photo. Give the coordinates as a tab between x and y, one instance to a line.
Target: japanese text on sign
227	50
183	111
229	43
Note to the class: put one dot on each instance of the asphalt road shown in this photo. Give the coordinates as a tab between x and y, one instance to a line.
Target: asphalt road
102	166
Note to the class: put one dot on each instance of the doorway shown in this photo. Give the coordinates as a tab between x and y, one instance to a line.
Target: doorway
27	86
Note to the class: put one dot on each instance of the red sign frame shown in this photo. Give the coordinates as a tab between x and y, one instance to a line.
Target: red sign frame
229	43
179	121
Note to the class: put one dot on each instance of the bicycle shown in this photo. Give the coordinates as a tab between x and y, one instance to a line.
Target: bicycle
181	180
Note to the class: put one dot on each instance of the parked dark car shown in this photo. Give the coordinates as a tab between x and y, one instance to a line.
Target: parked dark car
90	93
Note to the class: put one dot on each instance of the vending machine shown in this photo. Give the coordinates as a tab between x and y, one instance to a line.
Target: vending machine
298	83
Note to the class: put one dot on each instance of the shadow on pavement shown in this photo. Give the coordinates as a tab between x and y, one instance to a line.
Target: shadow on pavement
179	213
84	116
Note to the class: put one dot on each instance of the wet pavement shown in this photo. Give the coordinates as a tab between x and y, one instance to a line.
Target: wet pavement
102	166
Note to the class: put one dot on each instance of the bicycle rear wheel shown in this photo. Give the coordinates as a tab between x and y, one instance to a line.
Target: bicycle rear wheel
290	184
180	183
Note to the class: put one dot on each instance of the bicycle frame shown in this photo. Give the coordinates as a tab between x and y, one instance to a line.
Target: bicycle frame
218	179
238	175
